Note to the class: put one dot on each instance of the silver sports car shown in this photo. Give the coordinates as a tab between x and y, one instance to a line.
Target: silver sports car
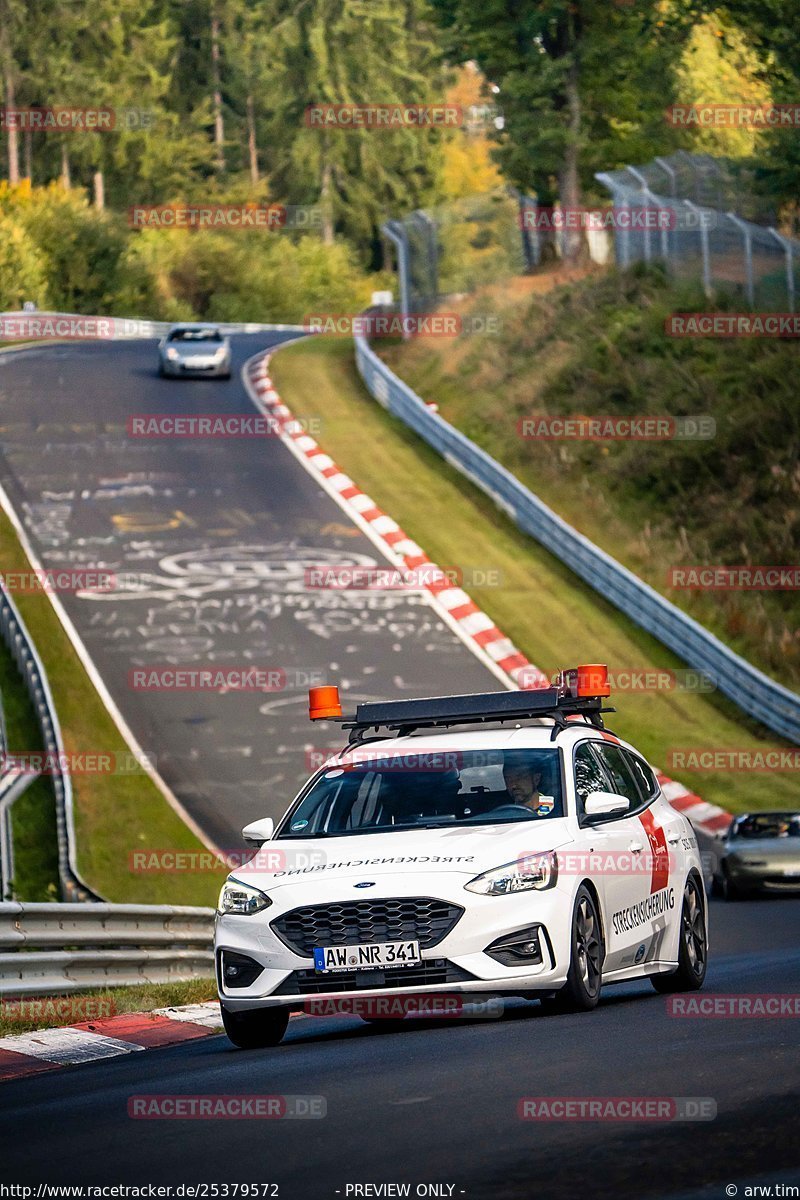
195	350
761	852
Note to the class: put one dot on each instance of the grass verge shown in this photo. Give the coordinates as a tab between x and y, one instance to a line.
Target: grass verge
551	616
597	346
49	1011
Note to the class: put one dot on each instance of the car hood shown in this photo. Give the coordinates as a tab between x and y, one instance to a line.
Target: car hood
292	861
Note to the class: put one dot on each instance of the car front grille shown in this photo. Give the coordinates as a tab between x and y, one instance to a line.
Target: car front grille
427	973
351	923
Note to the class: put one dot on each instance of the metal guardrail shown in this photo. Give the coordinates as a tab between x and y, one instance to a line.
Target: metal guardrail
19	642
54	949
774	705
120	328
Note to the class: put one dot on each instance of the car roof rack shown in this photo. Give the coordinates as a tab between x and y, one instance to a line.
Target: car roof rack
578	692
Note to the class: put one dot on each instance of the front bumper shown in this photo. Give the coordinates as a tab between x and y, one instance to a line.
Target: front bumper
772	877
211	370
458	963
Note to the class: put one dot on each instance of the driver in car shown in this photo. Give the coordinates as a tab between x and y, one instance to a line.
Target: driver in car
522	782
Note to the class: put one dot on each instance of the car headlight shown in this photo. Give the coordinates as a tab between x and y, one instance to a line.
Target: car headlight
172	354
241	898
536	872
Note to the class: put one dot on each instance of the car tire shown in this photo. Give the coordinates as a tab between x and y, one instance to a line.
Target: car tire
581	992
729	890
255	1028
690	973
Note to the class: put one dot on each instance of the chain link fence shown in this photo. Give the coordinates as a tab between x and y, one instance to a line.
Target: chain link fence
700	216
687	211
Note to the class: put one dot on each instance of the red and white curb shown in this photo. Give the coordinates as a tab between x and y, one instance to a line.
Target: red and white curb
46	1049
475	628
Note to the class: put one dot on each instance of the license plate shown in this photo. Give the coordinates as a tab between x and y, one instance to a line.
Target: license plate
367	957
196	362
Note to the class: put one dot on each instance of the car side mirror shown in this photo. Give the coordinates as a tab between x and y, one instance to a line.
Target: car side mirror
259	831
605	804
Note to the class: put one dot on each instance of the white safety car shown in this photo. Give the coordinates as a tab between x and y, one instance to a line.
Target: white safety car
535	856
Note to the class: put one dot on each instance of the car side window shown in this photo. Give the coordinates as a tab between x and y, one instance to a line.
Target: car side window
646	780
616	763
589	775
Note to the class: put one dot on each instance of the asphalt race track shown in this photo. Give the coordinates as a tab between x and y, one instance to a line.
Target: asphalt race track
211	538
436	1102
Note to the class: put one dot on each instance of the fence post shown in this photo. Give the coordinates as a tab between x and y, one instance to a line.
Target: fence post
396	234
670	173
748	255
640	179
703	247
787	246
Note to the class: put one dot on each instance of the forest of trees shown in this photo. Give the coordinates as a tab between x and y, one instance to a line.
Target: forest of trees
210	97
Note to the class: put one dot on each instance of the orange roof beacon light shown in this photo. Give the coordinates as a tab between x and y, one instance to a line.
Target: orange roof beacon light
324	703
593	680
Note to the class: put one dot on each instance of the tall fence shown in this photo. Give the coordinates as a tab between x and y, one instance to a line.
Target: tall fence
464	245
680	211
761	697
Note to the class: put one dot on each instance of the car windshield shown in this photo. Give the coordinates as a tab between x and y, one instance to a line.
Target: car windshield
369	792
767	825
195	335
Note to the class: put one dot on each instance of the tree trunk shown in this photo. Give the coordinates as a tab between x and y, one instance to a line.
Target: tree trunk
569	177
28	154
66	179
13	135
326	200
252	149
99	190
219	124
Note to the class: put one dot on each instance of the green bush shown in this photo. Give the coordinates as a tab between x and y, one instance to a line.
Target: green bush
23	273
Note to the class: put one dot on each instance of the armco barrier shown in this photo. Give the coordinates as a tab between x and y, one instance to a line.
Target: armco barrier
774	705
54	949
127	328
